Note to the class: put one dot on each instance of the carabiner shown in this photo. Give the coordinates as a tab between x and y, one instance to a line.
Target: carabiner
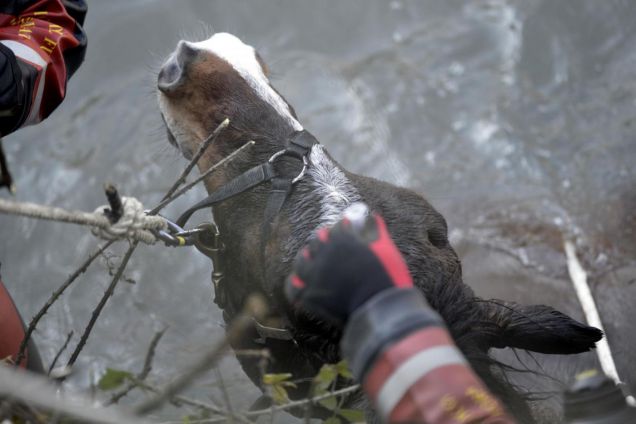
173	235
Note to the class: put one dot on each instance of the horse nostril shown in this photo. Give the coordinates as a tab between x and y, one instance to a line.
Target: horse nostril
185	53
169	76
172	72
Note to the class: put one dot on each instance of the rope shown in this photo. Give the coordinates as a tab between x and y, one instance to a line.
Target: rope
134	224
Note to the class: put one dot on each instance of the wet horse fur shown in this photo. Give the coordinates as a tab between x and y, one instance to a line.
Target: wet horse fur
203	83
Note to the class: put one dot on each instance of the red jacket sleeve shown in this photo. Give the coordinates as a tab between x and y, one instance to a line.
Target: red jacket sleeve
409	366
424	378
45	41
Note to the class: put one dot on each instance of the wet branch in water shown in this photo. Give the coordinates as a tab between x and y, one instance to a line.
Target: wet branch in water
242	322
59	352
100	306
150	354
54	297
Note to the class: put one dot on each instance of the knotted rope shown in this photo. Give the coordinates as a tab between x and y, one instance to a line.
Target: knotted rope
134	224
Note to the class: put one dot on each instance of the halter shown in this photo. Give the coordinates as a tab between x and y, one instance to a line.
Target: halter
207	238
298	146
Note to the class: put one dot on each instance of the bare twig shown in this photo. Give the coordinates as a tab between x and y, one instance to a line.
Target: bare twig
276	408
150	354
240	324
178	399
303	402
109	261
100	306
116	207
59	352
54	296
253	353
38	391
225	394
187	187
202	148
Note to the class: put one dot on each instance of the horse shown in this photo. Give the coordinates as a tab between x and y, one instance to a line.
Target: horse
203	83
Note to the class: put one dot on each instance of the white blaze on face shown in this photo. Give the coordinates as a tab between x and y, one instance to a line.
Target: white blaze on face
243	59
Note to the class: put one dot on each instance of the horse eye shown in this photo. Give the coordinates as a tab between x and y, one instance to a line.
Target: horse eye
437	237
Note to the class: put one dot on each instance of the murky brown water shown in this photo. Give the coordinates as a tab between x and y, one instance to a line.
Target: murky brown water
515	118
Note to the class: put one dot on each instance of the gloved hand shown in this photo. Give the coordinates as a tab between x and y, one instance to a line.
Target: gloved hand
346	265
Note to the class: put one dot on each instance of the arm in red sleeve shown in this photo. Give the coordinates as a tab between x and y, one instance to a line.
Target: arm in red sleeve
398	347
12	333
42	44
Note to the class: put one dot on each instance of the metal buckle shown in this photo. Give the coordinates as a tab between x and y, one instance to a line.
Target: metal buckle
207	240
174	235
267	332
285	152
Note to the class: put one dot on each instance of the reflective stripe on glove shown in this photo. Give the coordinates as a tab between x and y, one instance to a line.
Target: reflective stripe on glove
344	266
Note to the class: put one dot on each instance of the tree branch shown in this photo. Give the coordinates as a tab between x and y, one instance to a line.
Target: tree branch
187	187
59	352
53	298
202	148
100	306
240	324
34	390
150	354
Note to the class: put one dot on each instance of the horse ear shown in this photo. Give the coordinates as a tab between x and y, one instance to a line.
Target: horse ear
538	328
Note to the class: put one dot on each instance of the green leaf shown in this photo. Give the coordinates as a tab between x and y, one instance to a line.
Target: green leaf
331	403
287	384
185	420
270	379
113	379
352	415
343	369
325	377
279	394
333	420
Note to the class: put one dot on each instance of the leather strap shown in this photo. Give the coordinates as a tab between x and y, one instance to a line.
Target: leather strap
299	147
281	188
300	144
245	181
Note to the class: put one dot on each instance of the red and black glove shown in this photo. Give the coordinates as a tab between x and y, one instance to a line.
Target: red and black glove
344	266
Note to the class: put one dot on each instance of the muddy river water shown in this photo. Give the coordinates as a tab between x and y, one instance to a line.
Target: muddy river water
515	118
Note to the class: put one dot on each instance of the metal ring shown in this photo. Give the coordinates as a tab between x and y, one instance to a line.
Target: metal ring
302	171
284	152
277	155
